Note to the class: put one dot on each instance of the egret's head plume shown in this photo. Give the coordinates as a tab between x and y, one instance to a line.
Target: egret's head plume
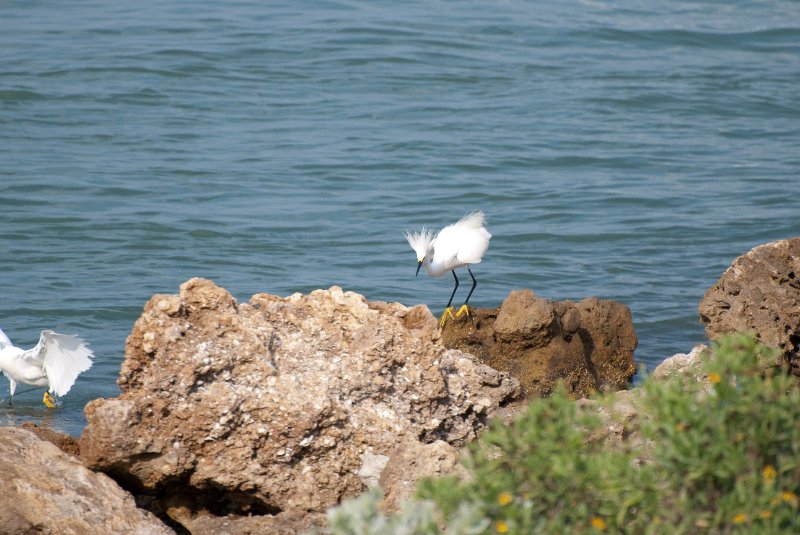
420	242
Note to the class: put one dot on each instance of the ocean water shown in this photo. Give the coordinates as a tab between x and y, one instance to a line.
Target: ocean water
628	150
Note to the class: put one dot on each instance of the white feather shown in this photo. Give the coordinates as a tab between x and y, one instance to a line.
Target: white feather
4	341
420	242
457	245
65	357
55	362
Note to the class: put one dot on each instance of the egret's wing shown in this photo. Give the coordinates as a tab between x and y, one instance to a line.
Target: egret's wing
446	244
64	357
475	243
4	341
463	242
35	355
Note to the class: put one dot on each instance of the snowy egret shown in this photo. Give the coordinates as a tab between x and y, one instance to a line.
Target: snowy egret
54	363
457	245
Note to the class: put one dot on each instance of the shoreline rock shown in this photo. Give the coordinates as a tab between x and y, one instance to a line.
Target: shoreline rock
588	345
760	293
46	490
256	417
274	408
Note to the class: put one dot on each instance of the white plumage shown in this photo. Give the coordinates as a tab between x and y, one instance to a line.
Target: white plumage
458	245
55	362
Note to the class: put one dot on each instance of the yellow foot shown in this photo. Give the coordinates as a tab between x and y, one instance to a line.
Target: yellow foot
463	310
49	400
447	312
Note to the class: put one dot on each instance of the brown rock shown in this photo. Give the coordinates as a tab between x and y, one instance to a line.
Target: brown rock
273	408
64	442
204	523
48	491
412	461
589	345
760	293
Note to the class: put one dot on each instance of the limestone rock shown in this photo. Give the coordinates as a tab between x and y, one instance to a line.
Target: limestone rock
412	461
686	366
588	344
272	408
760	293
48	491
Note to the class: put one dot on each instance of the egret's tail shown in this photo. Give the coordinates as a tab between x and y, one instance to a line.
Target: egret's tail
473	220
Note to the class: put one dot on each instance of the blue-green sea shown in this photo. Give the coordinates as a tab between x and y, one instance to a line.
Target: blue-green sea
623	149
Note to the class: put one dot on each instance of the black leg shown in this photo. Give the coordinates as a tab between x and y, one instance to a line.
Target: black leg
474	284
454	290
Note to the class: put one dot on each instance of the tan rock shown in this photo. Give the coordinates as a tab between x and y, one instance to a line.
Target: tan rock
272	408
687	366
589	345
760	293
412	461
48	491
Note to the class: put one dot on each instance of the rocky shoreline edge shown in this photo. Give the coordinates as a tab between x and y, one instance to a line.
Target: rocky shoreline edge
258	417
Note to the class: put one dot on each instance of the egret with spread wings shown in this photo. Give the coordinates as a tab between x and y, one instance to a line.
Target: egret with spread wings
55	362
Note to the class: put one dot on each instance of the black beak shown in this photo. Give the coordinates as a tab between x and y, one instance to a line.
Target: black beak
419	265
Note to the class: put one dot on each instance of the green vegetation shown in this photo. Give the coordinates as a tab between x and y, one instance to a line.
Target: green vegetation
721	456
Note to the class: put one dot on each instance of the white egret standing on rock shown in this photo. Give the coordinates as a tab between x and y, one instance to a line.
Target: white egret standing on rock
457	245
54	363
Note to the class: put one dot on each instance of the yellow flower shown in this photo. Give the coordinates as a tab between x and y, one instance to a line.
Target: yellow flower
769	473
505	498
789	497
740	518
598	523
501	527
714	378
765	514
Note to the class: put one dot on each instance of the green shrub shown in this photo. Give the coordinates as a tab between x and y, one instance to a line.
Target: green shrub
724	458
727	455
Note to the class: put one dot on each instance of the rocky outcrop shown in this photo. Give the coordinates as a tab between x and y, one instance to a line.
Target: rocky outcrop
589	345
48	491
760	293
278	408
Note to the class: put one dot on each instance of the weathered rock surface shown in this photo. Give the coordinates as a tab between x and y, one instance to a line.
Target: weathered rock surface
686	367
64	442
760	293
412	461
589	345
280	407
48	491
